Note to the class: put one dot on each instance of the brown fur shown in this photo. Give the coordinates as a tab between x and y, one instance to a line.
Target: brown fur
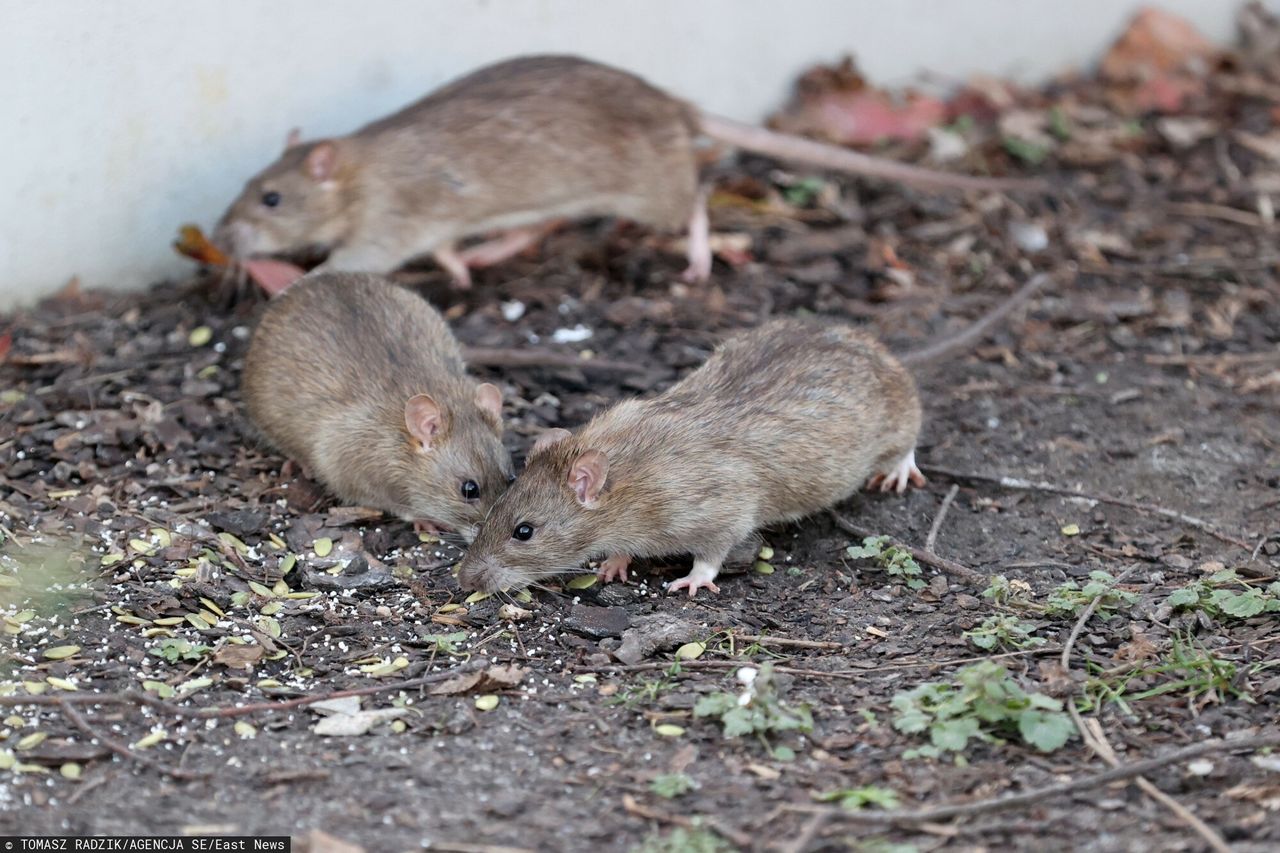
782	421
509	145
329	370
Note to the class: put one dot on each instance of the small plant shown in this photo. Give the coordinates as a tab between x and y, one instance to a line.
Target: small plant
174	650
648	691
1004	631
894	560
759	710
982	701
1069	599
1190	670
857	798
682	840
445	644
1224	595
1007	593
672	785
802	192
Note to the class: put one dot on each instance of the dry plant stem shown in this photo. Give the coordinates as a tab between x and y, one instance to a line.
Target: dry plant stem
934	528
1028	486
1084	783
924	556
136	697
1095	738
974	332
768	640
77	719
633	807
807	833
496	357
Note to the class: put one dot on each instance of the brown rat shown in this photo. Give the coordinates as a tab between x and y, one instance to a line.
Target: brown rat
780	422
508	147
362	382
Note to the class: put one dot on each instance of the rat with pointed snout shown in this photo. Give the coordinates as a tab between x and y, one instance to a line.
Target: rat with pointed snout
509	148
780	422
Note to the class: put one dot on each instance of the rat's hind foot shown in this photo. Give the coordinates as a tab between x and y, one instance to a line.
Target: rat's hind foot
614	568
453	263
897	479
703	575
507	245
699	268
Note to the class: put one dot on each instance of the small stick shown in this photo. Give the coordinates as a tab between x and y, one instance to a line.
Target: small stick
1036	795
972	333
134	697
497	357
767	640
928	557
807	834
1017	484
937	520
634	807
119	748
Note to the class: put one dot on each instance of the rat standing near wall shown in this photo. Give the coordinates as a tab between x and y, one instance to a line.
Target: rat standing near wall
505	148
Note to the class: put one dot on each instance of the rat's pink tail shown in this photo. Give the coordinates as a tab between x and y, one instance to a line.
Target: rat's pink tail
787	147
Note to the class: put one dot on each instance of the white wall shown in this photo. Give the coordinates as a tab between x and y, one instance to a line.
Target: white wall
123	119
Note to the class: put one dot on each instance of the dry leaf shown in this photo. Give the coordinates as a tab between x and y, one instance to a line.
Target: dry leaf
238	657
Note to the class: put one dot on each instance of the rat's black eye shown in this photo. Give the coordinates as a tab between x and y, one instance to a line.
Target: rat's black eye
511	478
523	531
271	199
470	491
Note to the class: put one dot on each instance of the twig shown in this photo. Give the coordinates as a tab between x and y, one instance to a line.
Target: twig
1017	484
1218	211
807	834
135	697
634	807
77	719
937	519
1116	774
1093	735
497	357
973	332
768	640
928	557
842	674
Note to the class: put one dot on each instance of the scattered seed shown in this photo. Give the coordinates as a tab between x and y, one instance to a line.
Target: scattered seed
487	702
669	730
71	771
323	546
61	652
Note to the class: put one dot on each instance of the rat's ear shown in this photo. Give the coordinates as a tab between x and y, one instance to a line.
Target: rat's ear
548	438
489	398
321	161
423	419
294	137
587	474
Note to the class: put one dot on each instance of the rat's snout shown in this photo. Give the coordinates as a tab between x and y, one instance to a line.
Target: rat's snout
235	238
479	573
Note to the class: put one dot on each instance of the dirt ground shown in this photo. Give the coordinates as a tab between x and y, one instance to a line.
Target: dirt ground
137	514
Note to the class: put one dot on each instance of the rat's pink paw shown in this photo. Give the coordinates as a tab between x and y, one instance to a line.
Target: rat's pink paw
692	584
614	568
272	276
897	480
433	528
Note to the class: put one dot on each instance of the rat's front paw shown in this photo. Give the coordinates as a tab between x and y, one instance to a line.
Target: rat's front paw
614	568
433	528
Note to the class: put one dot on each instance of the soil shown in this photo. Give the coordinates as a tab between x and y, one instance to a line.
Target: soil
133	500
